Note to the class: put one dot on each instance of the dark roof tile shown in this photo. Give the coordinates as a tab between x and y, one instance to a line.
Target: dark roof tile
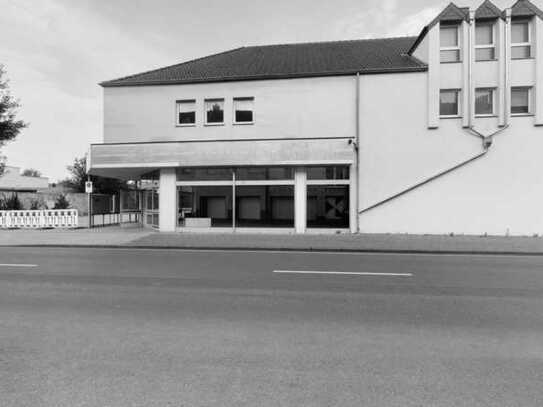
286	61
488	10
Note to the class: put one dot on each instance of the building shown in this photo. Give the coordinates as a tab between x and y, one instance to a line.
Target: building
440	133
12	181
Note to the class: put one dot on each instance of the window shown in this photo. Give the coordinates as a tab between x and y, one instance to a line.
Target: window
485	48
520	101
243	110
449	43
214	111
520	40
484	101
328	172
186	112
327	206
265	206
449	103
264	173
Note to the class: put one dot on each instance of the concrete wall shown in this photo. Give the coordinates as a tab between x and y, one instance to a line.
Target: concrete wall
311	107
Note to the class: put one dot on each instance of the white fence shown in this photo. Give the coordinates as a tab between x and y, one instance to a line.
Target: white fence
50	218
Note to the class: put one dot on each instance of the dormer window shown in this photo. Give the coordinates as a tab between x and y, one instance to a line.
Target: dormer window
449	43
521	44
485	44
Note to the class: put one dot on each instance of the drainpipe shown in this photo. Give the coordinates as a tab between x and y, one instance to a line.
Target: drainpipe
356	151
471	56
507	55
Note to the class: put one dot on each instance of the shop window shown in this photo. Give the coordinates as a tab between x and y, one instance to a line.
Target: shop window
340	172
265	206
328	206
264	173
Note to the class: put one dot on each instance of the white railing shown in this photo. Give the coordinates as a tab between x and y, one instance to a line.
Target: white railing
50	218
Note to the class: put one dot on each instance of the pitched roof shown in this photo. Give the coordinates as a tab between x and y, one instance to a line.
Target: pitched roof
451	13
286	61
524	8
488	10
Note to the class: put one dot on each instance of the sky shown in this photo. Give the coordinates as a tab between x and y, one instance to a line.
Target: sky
56	52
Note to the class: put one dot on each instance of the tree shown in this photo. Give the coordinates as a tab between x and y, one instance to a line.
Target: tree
31	172
62	202
9	126
79	176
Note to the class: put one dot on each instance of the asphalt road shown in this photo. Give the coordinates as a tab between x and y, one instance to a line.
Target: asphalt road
100	327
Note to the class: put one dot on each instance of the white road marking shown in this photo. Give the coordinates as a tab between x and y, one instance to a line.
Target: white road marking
354	273
18	265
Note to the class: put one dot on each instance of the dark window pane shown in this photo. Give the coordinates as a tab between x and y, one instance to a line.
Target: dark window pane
520	52
328	206
450	56
484	101
484	54
520	32
265	206
448	103
205	206
520	101
187	118
264	173
329	172
214	111
204	174
244	116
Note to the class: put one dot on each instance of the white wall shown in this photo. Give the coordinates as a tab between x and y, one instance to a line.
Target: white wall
309	107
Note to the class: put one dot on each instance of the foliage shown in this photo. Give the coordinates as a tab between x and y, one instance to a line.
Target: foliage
36	204
31	172
10	203
79	176
62	202
9	125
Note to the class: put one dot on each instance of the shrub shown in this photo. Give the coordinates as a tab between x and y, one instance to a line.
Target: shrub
35	205
61	202
11	203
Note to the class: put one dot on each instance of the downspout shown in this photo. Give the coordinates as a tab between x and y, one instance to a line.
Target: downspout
356	150
507	56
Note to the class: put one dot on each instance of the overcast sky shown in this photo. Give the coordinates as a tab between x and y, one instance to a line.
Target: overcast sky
56	51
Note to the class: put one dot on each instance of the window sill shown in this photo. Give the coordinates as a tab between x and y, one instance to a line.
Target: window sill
450	62
214	124
450	117
242	123
185	125
487	60
522	115
482	116
520	59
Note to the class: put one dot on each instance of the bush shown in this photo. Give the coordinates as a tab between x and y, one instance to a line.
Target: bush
62	202
35	205
10	203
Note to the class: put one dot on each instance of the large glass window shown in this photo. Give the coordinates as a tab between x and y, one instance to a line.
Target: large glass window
205	206
449	43
484	42
449	102
186	112
328	172
520	40
484	101
265	206
328	206
244	110
204	174
214	111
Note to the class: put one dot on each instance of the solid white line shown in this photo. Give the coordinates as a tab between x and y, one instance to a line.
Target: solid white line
18	265
354	273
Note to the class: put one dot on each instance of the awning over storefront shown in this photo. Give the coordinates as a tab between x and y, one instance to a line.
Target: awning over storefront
129	160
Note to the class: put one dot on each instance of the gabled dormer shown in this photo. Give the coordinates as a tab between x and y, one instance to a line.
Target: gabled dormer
488	11
524	8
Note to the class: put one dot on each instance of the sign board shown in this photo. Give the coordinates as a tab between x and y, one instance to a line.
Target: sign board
88	187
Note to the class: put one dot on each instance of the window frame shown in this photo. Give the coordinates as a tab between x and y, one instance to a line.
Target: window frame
241	98
177	104
493	114
522	44
208	100
529	89
486	46
449	48
458	103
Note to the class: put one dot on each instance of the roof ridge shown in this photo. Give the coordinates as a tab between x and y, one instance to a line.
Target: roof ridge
332	42
170	66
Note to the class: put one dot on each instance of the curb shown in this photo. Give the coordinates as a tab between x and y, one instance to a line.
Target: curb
285	249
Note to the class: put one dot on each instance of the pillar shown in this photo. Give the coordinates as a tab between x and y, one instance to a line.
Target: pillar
300	200
167	200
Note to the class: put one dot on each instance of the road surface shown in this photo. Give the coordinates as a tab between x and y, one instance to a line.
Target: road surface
116	327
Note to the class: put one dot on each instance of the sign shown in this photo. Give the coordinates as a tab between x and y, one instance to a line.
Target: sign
88	187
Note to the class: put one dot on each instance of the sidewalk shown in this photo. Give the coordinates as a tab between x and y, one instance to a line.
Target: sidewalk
134	237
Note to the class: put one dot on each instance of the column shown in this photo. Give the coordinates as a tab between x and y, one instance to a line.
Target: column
300	200
353	198
167	200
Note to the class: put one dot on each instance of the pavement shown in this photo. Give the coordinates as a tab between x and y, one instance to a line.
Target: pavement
137	237
118	327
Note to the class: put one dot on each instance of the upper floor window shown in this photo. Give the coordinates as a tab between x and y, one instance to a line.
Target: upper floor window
521	100
484	101
520	40
244	110
485	46
186	112
449	103
214	109
449	43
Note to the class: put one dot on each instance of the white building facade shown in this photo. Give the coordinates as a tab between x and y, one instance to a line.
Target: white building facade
435	134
